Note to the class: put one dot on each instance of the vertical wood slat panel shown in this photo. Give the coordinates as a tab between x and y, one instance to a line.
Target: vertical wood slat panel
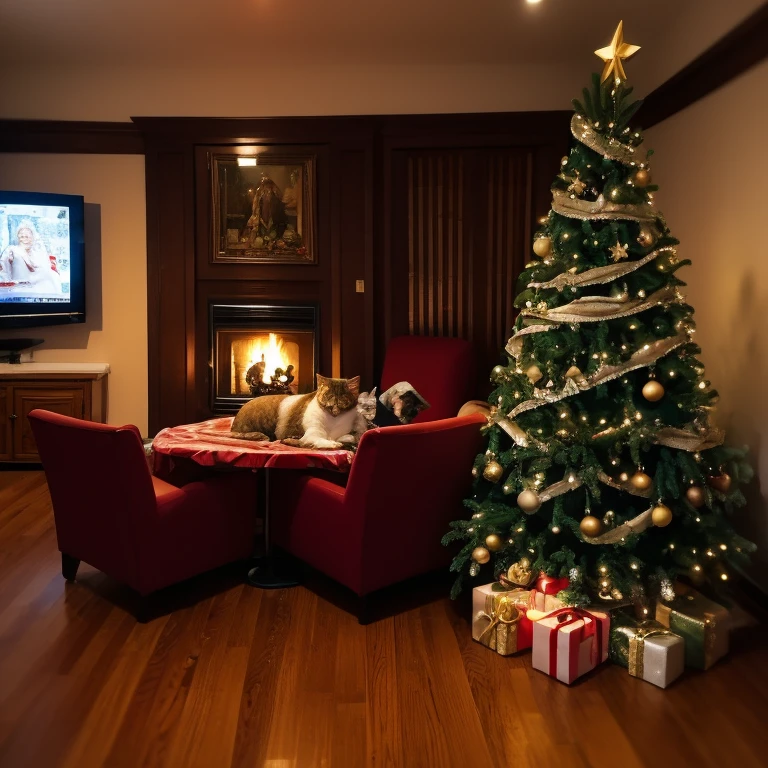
509	206
440	259
437	269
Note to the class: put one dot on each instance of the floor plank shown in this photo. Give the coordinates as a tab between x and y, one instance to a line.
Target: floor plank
233	676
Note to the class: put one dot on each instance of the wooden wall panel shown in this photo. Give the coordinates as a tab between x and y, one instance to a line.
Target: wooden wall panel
433	212
462	227
168	289
439	302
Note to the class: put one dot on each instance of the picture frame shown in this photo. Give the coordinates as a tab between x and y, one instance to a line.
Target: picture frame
263	207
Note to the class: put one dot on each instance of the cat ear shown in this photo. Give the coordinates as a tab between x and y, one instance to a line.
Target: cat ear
373	393
321	381
353	385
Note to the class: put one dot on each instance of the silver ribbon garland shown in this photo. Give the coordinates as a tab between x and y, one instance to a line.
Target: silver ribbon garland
615	535
600	275
627	486
607	146
514	346
671	437
592	309
576	208
642	358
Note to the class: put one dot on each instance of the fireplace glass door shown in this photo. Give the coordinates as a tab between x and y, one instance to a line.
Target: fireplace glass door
269	357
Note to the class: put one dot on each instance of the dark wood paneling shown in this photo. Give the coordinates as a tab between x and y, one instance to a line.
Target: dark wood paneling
461	227
361	169
168	289
354	248
740	49
65	136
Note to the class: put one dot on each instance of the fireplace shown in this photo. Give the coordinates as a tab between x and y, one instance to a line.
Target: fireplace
260	349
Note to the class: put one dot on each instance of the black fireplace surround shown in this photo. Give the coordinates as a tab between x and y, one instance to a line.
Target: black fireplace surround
232	323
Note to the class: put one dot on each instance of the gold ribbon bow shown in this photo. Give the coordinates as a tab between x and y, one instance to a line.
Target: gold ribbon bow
637	639
503	611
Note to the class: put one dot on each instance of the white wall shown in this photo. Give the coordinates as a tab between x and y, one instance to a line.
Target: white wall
115	330
711	164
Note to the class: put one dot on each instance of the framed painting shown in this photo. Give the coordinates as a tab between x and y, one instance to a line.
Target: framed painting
263	207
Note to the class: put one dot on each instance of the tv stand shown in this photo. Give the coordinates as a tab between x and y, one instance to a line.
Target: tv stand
14	348
72	389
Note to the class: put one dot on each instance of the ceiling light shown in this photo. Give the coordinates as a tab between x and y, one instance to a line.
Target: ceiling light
533	2
246	161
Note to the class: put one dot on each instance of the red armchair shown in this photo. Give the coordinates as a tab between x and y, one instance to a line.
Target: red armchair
441	370
406	484
113	514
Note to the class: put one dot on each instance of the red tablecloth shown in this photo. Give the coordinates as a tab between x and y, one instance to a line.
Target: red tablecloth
208	443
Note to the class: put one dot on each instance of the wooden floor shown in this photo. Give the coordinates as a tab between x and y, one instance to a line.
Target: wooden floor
234	676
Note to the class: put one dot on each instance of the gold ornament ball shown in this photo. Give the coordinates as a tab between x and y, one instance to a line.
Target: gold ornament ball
695	496
573	372
528	501
642	178
720	483
645	238
534	374
653	391
481	555
493	471
497	373
591	526
641	481
542	246
661	515
494	542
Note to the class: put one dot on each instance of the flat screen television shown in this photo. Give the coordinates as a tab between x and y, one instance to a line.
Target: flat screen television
42	259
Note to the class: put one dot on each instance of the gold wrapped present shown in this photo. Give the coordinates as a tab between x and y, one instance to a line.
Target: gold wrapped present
498	619
702	623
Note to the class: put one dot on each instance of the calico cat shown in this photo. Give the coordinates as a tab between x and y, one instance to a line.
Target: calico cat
324	419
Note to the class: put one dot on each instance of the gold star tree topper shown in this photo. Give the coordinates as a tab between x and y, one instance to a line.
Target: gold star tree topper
614	53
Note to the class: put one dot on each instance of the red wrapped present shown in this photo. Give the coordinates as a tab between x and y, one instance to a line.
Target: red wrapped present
499	619
570	642
549	585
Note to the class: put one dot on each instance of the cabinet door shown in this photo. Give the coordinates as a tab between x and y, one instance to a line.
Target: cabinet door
5	423
68	401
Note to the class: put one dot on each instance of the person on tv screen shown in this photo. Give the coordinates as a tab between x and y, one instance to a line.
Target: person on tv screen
27	267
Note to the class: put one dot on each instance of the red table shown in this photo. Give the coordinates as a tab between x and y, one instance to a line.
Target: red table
210	444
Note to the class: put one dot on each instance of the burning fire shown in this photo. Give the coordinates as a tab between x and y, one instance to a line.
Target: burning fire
271	352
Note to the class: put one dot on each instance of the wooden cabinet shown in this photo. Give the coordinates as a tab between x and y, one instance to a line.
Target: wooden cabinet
78	390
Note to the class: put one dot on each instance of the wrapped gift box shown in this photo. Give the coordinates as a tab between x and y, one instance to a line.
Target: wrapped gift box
543	602
648	649
570	642
549	585
702	623
499	619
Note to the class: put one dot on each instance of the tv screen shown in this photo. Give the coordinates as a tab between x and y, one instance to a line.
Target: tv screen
42	265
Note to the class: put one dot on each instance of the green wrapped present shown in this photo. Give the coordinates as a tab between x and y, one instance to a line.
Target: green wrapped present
647	649
702	623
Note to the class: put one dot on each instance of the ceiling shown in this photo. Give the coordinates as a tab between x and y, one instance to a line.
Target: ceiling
264	36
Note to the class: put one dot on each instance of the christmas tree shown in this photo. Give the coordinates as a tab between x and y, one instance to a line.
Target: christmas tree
602	463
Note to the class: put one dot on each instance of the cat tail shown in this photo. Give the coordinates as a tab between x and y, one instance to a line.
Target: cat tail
256	436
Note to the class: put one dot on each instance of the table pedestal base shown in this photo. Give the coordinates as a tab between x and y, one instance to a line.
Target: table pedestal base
269	574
